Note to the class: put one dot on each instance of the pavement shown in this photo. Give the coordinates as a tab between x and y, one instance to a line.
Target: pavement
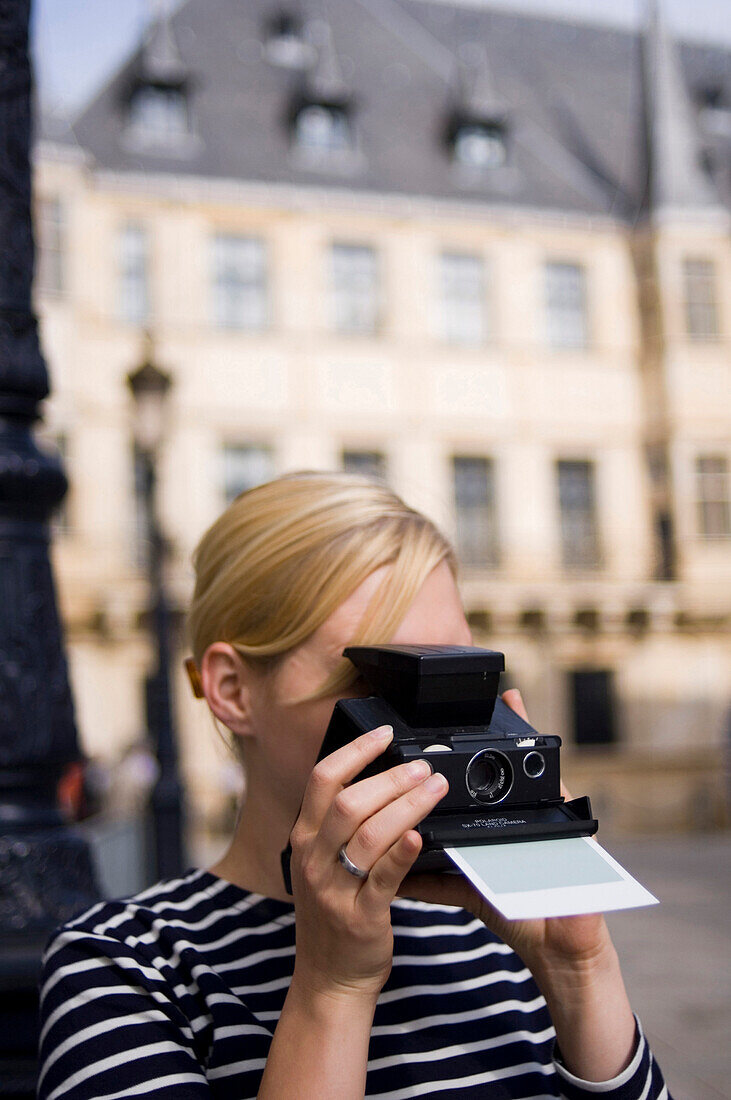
676	957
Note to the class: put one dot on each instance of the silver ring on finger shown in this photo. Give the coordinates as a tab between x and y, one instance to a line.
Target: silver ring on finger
350	867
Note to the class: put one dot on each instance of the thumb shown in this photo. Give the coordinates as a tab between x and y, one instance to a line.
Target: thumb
514	700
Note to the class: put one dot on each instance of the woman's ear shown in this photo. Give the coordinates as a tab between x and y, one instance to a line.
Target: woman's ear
227	686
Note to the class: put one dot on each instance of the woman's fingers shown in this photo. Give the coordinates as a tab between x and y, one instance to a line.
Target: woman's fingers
330	775
514	700
355	804
379	831
388	873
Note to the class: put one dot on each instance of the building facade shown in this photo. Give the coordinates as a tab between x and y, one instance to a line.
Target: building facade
481	255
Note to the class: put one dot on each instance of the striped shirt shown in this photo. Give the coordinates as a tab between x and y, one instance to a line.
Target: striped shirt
176	993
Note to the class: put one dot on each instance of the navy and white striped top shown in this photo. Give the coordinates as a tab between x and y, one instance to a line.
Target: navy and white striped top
176	993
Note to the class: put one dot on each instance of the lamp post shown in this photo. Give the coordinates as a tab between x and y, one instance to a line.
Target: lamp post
46	873
150	388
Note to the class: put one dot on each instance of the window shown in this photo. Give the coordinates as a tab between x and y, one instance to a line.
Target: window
244	466
322	128
579	536
714	512
699	289
480	145
474	498
463	302
371	464
354	286
285	43
566	313
134	295
49	234
158	115
239	282
712	96
592	704
715	117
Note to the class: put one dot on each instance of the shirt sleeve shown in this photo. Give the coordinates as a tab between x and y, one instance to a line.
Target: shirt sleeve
641	1080
110	1028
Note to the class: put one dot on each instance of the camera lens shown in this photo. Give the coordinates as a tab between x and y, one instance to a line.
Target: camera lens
483	774
489	776
534	764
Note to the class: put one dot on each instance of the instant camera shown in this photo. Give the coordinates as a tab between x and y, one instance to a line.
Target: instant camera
443	703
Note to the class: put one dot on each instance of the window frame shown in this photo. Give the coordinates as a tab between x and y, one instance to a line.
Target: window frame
372	294
142	100
338	130
470	134
700	299
262	449
574	555
450	330
373	466
50	244
558	307
235	293
706	504
484	512
137	268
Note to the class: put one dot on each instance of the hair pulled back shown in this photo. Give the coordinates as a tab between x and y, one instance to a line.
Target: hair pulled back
285	555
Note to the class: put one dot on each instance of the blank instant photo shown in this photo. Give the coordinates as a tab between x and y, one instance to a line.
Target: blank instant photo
549	878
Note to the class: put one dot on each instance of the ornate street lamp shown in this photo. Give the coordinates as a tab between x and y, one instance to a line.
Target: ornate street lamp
46	872
150	388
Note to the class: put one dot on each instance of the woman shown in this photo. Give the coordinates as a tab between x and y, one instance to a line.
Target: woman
193	988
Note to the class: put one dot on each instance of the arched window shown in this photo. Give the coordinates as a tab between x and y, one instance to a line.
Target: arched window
158	114
480	145
323	128
285	42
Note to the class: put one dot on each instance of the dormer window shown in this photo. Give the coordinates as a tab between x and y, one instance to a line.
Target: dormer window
285	43
321	112
158	115
715	104
322	128
479	145
713	97
157	98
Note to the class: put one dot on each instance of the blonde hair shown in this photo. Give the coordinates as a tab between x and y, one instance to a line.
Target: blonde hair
285	555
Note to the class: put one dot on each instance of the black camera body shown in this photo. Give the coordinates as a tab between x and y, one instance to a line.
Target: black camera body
442	701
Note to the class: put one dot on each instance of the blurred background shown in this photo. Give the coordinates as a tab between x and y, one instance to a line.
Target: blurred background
480	250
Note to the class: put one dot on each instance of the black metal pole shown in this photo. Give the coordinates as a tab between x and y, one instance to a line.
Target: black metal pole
45	869
167	794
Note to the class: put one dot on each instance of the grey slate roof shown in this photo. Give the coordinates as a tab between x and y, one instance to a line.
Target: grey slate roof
159	58
572	95
677	175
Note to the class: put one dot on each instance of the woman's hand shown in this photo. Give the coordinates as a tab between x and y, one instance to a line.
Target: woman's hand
560	941
344	935
572	959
